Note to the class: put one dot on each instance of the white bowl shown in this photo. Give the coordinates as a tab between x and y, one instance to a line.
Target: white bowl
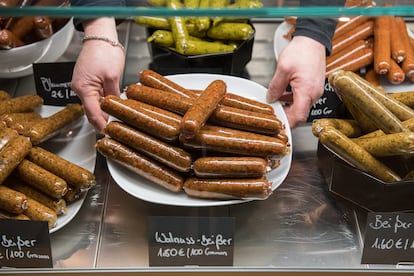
17	62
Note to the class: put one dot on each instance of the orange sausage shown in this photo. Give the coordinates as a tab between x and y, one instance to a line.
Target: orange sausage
382	45
346	26
363	31
354	62
396	74
398	47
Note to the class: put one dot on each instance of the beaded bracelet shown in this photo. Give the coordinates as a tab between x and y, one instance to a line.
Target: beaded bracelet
106	39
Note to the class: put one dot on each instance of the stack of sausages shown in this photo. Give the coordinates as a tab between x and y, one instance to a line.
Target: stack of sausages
19	31
378	136
373	46
34	182
210	143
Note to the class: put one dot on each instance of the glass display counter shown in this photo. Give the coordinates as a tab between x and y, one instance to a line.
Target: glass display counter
302	229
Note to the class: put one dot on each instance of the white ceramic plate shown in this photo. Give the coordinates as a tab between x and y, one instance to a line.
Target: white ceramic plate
280	42
76	144
148	191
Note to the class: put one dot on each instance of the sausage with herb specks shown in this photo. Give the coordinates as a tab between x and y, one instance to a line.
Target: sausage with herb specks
39	212
165	153
12	201
139	164
202	108
249	188
158	122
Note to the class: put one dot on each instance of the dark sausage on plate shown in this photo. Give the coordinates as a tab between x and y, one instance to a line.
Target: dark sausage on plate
202	108
139	164
158	122
165	153
250	188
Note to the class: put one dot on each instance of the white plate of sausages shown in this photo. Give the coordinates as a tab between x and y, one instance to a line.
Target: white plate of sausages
75	144
143	189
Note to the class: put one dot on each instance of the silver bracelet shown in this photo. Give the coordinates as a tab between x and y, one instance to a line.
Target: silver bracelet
103	38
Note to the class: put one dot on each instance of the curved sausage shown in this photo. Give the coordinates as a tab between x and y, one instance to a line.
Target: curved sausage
140	164
165	153
355	155
345	84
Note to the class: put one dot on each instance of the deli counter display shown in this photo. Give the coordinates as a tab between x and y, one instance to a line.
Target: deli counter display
305	208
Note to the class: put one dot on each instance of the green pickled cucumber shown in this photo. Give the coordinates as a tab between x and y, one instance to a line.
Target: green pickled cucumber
231	31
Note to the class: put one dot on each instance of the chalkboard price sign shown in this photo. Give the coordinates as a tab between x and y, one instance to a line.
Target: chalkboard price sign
180	241
389	238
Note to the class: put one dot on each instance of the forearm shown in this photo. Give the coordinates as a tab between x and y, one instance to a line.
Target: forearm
319	29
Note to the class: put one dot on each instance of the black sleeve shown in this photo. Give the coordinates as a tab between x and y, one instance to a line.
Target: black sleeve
320	29
93	3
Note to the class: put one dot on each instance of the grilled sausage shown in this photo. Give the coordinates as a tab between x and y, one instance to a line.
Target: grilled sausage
12	155
249	188
140	164
221	139
355	155
52	125
158	122
73	174
164	153
12	201
41	179
202	108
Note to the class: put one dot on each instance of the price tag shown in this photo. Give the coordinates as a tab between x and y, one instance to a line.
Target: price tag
326	106
180	241
389	238
24	244
53	83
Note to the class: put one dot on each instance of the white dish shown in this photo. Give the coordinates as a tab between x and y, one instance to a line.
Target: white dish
75	144
146	190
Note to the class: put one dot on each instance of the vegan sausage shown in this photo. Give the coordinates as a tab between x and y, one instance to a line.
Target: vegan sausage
249	188
165	153
140	164
201	109
12	201
158	122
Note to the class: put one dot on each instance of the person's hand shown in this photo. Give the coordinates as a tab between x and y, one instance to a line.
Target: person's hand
301	64
98	70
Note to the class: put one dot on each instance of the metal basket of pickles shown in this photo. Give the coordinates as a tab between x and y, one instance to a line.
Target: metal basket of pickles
199	44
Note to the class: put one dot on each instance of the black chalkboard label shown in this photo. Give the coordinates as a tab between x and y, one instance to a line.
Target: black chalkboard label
180	241
326	106
53	83
389	238
25	244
